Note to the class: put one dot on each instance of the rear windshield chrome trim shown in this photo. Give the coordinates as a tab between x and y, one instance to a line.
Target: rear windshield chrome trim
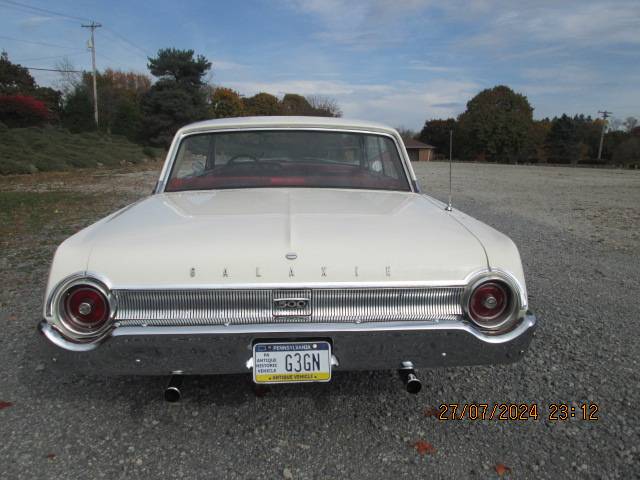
173	150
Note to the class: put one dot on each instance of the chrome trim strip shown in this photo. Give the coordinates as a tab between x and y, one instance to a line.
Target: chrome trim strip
297	285
294	285
248	307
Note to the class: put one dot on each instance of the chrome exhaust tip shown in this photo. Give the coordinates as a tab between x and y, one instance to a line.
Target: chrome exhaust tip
172	392
413	383
408	375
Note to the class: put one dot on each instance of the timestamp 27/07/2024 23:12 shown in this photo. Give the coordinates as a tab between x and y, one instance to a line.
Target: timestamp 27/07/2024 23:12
517	411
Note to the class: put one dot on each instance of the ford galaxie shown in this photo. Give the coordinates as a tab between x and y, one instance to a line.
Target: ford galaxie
288	248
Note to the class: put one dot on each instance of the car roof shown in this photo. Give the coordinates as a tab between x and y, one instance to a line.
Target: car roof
285	122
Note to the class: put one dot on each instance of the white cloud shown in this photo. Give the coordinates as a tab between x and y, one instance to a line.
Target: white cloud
504	24
218	64
361	24
397	103
526	27
585	23
307	87
577	88
560	74
35	21
424	66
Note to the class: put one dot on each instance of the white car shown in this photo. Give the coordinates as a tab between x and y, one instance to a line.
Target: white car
288	247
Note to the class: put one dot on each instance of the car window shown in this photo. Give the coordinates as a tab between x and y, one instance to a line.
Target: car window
291	158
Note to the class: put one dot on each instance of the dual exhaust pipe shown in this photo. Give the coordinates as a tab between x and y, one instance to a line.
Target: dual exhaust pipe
172	392
408	376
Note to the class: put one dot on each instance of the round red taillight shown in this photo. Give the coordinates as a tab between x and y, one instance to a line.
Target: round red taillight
488	303
86	308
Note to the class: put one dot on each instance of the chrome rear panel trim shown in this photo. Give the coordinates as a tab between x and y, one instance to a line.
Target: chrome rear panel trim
190	307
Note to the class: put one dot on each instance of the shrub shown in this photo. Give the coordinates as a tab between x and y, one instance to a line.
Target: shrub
26	150
628	152
149	152
22	111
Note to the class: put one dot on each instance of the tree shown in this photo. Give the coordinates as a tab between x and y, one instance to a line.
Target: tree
132	83
226	102
406	133
628	152
118	89
14	78
166	108
612	140
177	98
69	78
262	104
563	141
535	145
127	120
180	66
630	123
52	99
22	111
588	131
436	133
497	122
77	112
294	104
324	106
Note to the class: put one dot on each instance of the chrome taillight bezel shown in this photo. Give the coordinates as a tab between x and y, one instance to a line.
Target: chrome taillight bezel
507	319
59	318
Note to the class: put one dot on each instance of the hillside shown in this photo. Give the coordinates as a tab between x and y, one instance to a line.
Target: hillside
30	150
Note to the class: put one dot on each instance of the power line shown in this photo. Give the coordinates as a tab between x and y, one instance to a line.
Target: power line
19	5
54	70
38	43
13	4
128	42
79	52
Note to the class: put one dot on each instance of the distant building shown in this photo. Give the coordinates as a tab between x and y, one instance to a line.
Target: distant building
418	151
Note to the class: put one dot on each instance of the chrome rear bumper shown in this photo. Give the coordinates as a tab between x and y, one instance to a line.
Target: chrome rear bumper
207	350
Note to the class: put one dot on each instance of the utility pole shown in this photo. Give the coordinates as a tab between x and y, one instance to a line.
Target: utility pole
92	47
448	208
605	114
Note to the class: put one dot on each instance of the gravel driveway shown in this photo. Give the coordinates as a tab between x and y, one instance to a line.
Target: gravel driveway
578	231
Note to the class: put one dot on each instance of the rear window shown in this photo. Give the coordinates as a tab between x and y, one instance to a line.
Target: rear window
291	158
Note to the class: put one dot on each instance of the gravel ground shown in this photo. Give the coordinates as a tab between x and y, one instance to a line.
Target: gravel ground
578	233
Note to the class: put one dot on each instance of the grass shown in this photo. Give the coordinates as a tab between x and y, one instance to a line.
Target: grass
34	223
30	150
27	212
45	215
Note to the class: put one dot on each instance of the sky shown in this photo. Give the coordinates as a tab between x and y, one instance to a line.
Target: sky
399	62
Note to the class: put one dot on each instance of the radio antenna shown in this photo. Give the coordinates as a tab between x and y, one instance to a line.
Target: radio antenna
448	207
